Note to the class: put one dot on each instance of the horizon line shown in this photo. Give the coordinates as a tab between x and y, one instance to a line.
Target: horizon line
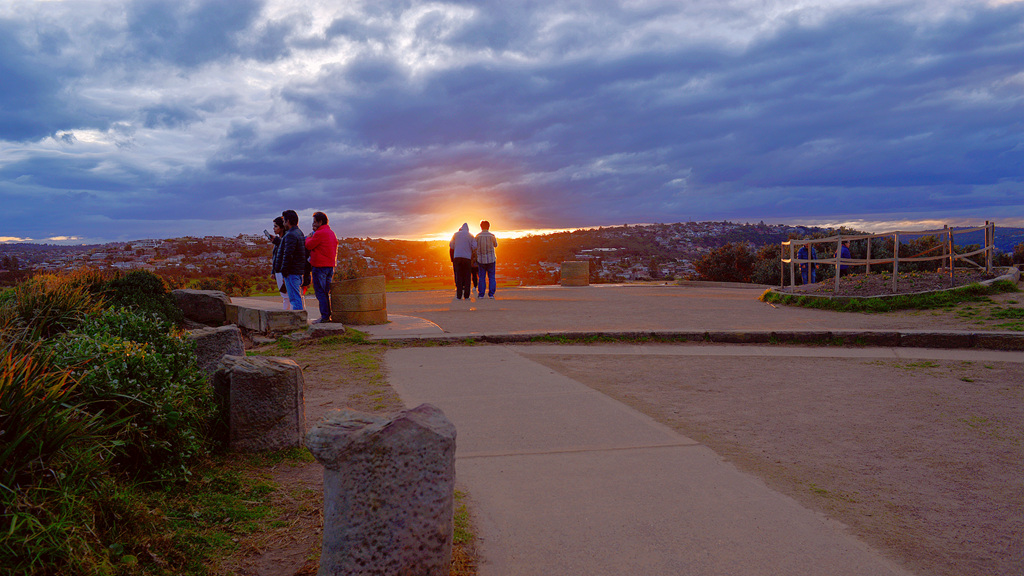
869	226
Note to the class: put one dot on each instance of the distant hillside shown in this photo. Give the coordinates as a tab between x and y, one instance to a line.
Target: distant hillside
1006	238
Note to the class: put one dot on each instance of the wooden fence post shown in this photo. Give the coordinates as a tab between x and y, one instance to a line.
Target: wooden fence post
895	259
839	249
792	268
990	239
952	256
868	269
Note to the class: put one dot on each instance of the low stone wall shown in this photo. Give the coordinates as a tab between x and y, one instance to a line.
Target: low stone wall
267	321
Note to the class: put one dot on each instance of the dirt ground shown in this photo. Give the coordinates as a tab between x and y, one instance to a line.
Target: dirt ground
921	459
335	375
880	284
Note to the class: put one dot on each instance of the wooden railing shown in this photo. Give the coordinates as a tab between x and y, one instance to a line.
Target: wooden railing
945	235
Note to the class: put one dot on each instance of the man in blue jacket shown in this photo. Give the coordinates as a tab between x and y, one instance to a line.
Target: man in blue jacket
293	258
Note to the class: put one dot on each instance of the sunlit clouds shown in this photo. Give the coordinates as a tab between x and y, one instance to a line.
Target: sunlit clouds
127	119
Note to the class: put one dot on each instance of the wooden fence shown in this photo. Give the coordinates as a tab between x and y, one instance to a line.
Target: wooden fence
949	257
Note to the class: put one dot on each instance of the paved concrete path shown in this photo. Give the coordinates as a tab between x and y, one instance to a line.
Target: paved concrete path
607	308
567	481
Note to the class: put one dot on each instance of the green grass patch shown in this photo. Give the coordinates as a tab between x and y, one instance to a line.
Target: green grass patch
931	300
351	336
463	528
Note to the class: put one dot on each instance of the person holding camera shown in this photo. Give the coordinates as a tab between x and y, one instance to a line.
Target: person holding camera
277	259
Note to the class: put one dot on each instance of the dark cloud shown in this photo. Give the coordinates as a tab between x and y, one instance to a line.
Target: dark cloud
189	34
564	114
33	103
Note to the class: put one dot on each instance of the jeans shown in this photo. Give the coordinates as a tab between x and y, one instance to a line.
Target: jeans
803	274
284	295
294	284
463	271
322	276
486	280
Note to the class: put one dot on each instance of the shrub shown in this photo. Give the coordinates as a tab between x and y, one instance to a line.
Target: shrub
730	263
52	456
143	291
41	428
766	267
130	366
50	305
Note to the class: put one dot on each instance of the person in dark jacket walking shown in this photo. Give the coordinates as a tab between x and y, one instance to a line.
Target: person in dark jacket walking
460	249
293	258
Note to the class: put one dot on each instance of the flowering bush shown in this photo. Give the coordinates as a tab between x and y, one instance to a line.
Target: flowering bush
130	365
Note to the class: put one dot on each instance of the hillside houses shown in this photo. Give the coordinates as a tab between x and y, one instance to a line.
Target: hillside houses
618	254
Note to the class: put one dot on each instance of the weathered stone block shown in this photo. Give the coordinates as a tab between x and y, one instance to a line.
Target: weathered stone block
205	306
249	318
262	400
575	273
231	313
388	492
326	329
212	344
282	320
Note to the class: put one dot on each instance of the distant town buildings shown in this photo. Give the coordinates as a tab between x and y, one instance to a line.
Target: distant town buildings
617	254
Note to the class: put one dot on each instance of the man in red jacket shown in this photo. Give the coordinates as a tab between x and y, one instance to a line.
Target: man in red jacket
323	256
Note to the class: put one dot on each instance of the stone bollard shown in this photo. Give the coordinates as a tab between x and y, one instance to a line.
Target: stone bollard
389	489
576	273
261	398
359	301
212	344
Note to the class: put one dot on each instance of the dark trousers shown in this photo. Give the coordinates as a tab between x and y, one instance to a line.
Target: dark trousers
322	277
463	271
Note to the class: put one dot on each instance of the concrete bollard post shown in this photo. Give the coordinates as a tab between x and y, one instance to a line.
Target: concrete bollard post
389	489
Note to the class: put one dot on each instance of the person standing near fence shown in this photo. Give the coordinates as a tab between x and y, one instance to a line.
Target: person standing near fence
486	260
844	254
323	256
802	255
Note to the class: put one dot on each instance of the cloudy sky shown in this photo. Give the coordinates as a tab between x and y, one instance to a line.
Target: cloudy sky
149	118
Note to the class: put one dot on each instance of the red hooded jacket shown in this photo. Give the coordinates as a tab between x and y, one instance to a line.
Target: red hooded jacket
323	247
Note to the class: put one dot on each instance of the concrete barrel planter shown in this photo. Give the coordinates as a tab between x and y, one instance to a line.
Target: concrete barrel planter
360	301
575	273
